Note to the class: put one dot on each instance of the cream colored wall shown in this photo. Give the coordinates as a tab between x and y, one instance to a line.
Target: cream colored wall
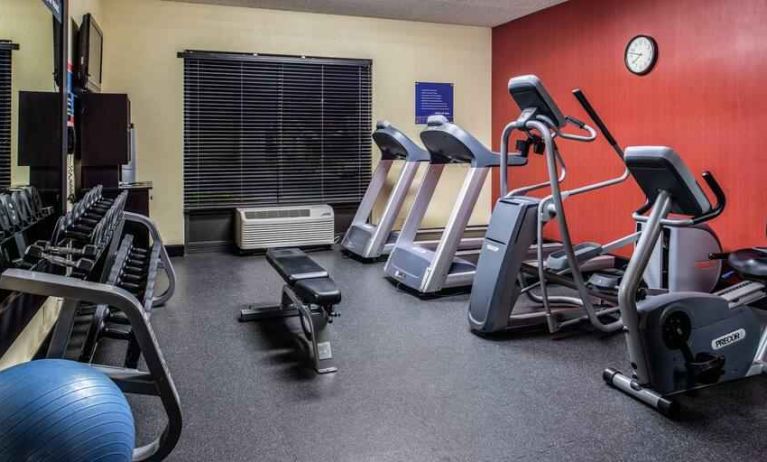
142	38
29	340
27	23
78	8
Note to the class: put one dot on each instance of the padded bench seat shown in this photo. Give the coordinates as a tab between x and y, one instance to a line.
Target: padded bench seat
310	282
294	265
321	291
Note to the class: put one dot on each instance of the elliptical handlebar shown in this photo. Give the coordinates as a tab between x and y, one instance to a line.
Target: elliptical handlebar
507	130
521	124
581	97
721	199
592	134
533	114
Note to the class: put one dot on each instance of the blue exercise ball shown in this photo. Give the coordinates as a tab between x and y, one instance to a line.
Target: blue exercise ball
58	410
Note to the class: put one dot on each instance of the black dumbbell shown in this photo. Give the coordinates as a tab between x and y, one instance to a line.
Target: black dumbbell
131	278
81	264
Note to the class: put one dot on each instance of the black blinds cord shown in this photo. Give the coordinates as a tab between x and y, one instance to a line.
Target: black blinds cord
274	131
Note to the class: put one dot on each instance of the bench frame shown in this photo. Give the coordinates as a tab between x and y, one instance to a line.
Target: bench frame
315	330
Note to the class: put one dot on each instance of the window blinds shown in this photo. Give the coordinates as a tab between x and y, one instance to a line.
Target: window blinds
6	48
270	130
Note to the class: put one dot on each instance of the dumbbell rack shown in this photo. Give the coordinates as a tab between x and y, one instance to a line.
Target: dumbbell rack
98	232
21	210
134	269
154	381
88	228
83	247
23	218
107	282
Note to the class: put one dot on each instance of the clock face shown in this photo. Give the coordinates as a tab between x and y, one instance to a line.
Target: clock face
641	54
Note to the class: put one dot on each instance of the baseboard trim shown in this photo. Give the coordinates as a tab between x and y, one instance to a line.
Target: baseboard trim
175	250
209	246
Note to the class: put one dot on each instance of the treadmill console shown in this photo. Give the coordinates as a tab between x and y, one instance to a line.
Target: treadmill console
395	145
528	92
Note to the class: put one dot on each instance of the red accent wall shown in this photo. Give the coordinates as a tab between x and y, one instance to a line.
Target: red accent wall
706	98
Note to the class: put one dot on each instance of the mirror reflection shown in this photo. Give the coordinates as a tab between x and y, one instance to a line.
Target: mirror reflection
30	123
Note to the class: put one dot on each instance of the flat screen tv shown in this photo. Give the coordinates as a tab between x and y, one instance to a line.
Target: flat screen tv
90	54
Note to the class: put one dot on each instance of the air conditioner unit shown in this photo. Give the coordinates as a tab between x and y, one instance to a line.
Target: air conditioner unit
289	226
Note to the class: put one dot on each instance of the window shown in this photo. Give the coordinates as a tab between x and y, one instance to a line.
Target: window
270	130
5	112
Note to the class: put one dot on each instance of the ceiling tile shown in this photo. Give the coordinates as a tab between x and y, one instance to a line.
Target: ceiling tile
467	12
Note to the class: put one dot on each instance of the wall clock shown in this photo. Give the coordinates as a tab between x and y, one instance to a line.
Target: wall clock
641	54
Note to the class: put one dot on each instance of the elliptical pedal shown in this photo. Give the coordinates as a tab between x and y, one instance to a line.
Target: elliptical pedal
742	293
606	280
557	261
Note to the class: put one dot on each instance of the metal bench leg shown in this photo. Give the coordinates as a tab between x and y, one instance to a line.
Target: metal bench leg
265	311
322	353
315	320
262	312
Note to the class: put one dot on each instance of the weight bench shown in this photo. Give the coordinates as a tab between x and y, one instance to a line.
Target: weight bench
310	294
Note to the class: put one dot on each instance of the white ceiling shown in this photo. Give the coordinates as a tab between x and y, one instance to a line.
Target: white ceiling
467	12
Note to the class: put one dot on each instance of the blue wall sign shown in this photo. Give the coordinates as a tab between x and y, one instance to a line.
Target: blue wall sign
433	98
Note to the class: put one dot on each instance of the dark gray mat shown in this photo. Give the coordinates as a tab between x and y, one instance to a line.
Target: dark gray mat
413	383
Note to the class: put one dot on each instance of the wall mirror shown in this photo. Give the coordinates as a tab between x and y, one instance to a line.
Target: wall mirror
32	97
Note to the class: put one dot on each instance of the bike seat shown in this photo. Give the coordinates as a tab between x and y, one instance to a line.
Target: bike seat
750	263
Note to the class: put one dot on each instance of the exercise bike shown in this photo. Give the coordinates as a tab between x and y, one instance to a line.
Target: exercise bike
684	341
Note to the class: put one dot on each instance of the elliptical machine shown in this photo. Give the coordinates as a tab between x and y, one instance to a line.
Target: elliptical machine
505	271
685	340
517	222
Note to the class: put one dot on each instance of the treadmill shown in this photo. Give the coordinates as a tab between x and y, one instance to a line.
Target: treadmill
423	268
368	240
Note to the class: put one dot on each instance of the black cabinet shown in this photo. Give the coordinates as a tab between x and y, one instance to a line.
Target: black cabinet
39	129
104	142
138	197
40	141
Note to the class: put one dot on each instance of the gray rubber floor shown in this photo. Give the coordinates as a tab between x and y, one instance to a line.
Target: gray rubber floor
413	383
